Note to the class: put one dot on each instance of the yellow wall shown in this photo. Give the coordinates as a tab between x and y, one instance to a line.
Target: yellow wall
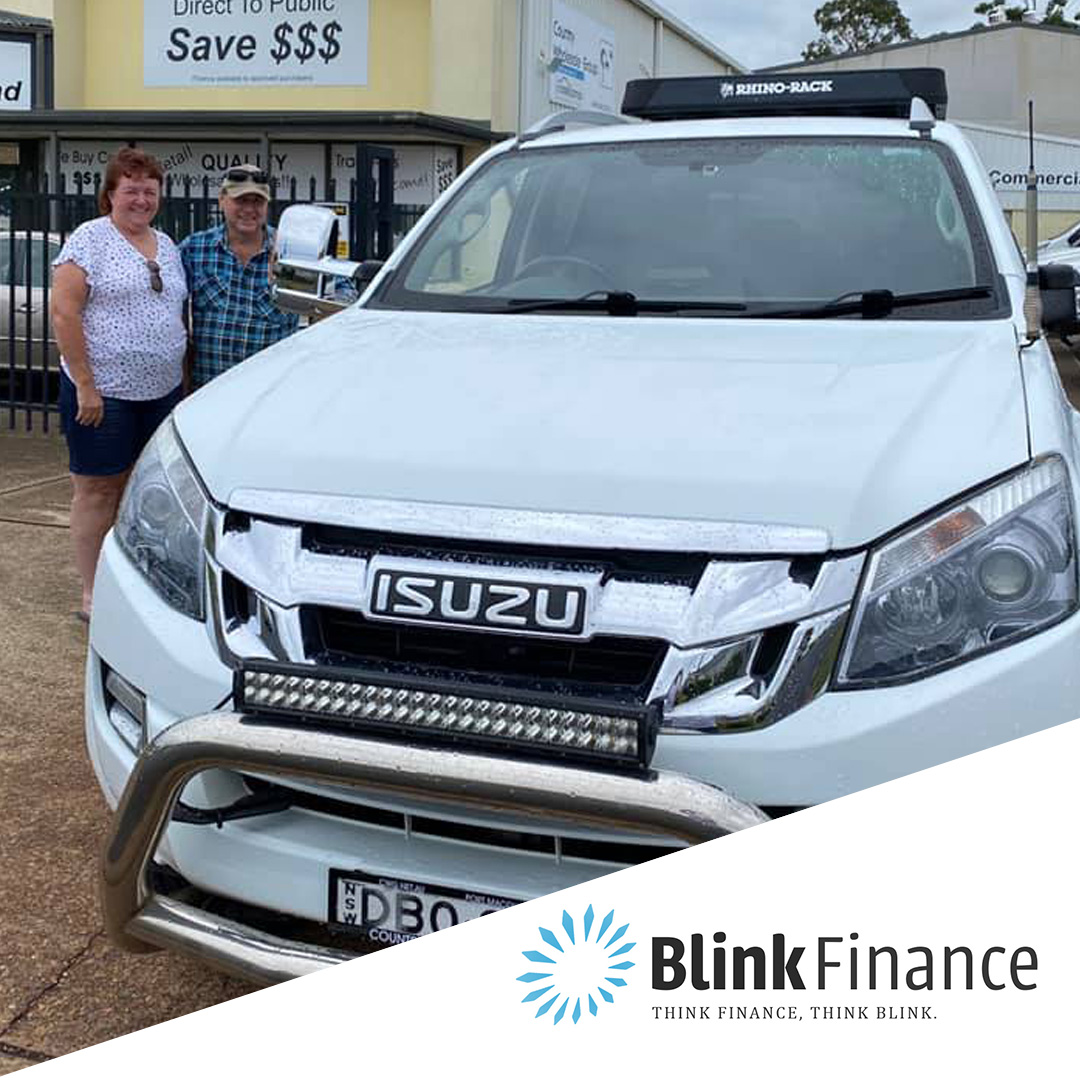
112	70
462	56
40	9
69	53
506	86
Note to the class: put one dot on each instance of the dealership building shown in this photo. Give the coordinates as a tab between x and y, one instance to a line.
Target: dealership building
304	85
992	73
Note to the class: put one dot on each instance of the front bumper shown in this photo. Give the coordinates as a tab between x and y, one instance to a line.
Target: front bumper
655	803
840	743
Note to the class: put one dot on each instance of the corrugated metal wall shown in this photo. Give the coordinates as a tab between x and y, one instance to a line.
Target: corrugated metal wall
1005	155
681	57
993	72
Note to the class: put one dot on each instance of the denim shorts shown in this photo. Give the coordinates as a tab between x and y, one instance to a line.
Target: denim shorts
115	445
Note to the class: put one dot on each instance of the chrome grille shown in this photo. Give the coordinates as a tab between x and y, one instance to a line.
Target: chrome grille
606	666
720	643
627	850
658	567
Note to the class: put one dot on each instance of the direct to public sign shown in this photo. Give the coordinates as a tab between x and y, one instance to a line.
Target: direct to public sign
255	42
582	61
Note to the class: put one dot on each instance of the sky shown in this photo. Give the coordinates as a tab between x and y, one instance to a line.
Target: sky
759	33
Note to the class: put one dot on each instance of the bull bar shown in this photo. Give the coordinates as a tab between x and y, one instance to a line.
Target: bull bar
140	920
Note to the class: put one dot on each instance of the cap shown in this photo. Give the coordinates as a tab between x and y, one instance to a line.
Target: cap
246	180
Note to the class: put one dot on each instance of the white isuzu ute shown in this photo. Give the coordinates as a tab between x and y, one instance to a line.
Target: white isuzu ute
678	471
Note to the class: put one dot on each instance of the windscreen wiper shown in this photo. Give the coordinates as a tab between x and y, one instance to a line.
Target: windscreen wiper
877	303
614	302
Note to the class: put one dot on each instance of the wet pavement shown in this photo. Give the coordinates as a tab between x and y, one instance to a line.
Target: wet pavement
62	985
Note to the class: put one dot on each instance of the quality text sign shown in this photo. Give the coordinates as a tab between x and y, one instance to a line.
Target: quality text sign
255	42
188	164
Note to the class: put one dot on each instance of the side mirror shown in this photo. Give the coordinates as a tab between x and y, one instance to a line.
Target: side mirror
304	276
1060	299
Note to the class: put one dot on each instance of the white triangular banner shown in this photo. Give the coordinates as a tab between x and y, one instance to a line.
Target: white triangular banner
977	854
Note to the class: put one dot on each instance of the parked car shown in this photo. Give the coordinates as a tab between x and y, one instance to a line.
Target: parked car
669	477
29	360
1065	243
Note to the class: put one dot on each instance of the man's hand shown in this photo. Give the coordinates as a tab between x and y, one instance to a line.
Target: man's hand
91	406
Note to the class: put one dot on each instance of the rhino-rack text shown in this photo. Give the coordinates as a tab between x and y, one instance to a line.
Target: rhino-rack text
762	89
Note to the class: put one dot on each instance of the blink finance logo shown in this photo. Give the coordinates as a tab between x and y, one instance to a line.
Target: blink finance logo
577	967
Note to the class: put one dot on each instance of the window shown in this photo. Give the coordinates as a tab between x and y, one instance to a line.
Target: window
751	221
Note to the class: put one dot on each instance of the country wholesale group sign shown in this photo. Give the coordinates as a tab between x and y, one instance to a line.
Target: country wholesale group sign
255	42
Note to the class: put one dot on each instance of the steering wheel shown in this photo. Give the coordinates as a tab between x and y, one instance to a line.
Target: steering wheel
574	263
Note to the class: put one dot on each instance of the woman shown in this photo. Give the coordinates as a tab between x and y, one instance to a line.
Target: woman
118	314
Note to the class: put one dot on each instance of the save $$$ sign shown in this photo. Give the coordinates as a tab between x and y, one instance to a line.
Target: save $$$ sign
255	42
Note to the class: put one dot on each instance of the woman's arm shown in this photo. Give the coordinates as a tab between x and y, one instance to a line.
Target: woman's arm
69	294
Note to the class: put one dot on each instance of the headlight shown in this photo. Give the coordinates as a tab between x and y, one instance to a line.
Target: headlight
995	568
160	522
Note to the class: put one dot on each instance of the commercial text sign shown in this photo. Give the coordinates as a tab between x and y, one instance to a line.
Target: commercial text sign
255	42
582	61
16	75
1006	154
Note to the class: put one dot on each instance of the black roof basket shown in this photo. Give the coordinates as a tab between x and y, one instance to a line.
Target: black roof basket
806	93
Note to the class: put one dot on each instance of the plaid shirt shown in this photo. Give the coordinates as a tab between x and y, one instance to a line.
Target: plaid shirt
231	312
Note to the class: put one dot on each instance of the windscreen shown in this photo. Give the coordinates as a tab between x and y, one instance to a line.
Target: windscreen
758	222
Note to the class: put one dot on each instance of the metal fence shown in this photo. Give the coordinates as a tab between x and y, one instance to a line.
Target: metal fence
33	228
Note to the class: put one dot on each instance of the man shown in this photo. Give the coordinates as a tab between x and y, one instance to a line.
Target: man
229	280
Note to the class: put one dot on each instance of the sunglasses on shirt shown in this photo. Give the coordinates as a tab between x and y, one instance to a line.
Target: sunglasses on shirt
155	276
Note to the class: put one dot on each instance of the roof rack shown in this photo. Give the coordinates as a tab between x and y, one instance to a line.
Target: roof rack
921	118
560	121
818	93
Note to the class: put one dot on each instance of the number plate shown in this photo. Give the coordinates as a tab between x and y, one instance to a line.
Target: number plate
386	910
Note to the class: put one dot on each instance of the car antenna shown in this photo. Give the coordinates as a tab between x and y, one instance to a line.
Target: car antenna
1032	194
1032	300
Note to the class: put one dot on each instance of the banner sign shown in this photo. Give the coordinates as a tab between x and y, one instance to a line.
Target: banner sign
582	61
192	162
421	172
255	42
16	76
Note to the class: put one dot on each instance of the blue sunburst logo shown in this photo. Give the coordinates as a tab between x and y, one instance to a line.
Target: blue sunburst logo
581	967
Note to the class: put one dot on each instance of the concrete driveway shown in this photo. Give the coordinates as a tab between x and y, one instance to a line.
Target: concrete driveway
62	986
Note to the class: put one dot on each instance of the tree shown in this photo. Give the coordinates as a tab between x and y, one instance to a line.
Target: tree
855	25
1054	15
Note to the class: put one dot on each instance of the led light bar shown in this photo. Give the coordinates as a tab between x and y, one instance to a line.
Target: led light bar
479	716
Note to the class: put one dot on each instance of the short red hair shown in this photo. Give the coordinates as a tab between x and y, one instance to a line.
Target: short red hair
132	163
